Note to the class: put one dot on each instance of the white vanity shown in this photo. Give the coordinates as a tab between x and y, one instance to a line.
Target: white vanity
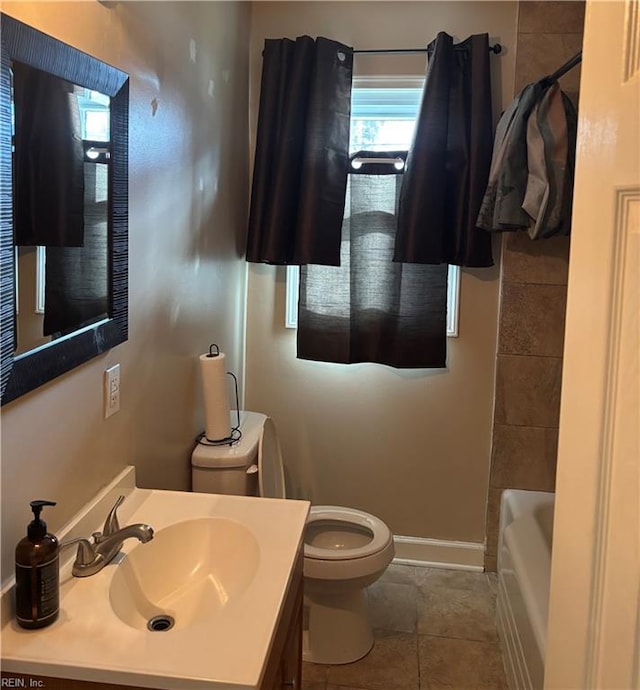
221	580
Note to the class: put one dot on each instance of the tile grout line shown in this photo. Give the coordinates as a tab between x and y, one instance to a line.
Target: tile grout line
517	354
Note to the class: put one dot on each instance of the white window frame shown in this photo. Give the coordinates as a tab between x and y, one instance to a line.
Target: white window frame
41	260
40	279
453	298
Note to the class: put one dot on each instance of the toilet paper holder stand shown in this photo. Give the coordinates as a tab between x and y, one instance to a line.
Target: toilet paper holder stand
235	434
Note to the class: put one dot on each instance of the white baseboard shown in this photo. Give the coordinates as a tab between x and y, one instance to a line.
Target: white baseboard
438	553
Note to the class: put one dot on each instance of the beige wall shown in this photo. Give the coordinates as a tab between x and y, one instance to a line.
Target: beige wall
30	323
533	298
188	176
412	446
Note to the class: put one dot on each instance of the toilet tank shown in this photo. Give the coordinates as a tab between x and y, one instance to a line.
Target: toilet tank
230	469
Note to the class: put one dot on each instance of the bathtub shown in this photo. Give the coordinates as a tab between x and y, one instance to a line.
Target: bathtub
524	569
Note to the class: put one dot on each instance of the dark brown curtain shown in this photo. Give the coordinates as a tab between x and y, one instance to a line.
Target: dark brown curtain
302	152
448	164
48	160
76	283
370	309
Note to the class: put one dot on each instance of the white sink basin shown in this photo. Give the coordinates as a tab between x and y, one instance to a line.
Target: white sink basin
189	572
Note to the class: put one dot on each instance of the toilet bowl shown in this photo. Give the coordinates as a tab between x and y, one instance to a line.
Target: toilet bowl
345	550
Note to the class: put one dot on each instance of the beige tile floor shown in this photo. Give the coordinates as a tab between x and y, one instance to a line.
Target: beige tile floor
434	629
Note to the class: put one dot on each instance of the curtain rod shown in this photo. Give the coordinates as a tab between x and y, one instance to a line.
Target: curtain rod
495	49
568	65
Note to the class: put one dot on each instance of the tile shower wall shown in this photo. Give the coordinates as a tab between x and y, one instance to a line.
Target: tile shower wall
533	298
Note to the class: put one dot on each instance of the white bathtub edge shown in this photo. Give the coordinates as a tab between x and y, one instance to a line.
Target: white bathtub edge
524	554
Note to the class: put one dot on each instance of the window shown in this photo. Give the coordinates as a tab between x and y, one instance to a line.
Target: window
382	119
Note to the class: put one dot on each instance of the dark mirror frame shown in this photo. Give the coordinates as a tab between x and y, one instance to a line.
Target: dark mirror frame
22	374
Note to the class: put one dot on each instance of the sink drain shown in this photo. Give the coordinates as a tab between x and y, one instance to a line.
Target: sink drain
160	623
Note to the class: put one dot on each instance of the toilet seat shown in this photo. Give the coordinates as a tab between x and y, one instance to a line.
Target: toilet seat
270	466
380	534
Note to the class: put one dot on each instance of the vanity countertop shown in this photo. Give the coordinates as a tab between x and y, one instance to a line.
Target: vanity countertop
90	642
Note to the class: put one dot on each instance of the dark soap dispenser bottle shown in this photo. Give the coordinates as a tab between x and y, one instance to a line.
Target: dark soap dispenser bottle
37	573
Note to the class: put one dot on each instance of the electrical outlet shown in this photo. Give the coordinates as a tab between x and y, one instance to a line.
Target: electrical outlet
111	391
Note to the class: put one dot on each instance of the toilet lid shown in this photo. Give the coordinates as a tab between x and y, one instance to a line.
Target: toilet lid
270	467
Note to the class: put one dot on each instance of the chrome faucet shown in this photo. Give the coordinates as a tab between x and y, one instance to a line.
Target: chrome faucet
93	556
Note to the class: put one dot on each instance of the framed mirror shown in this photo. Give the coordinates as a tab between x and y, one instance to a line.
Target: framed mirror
64	208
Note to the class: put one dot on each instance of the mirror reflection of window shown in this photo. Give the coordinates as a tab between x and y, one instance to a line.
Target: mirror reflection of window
63	285
94	114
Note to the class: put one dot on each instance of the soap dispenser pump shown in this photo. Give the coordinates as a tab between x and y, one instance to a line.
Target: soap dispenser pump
37	573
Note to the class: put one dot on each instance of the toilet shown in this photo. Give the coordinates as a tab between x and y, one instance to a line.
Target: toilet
345	550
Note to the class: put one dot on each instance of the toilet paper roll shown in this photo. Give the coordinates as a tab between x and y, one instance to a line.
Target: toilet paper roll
213	372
